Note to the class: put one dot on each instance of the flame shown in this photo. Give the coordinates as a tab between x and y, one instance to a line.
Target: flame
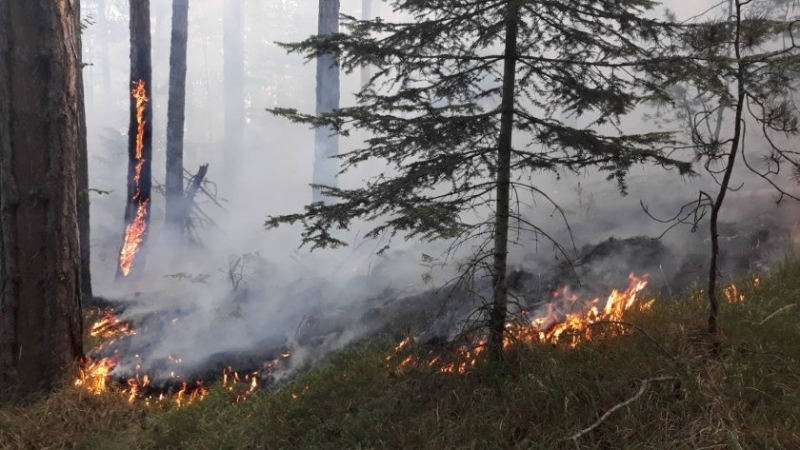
134	232
553	327
109	327
733	294
296	395
139	94
133	238
95	375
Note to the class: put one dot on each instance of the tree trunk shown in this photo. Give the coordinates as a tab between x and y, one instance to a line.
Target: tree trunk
176	114
326	145
83	184
40	142
233	49
140	139
366	14
713	270
497	315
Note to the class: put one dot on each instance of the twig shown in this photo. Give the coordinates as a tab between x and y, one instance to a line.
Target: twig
642	389
297	331
787	307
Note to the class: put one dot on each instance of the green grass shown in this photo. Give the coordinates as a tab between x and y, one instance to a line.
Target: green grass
744	394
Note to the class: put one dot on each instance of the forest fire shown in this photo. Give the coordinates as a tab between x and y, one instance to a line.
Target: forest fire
569	324
135	230
96	374
566	321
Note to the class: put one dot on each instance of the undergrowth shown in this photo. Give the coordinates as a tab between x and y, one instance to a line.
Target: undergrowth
743	393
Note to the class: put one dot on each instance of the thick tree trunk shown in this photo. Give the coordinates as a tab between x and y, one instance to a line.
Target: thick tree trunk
140	142
176	114
83	189
326	146
497	315
40	143
233	49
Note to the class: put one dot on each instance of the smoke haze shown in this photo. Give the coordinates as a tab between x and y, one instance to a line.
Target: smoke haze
246	287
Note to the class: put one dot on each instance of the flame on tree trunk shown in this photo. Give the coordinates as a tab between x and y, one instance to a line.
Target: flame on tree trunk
140	150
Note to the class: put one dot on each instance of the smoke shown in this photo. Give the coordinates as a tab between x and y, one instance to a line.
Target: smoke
248	291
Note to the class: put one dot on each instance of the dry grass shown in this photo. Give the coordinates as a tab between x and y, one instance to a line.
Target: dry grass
742	394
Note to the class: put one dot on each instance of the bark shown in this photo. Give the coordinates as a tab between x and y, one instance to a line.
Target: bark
137	208
176	115
233	49
326	145
83	187
40	142
497	315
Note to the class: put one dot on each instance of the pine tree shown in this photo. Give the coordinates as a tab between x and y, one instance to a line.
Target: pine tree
41	137
463	107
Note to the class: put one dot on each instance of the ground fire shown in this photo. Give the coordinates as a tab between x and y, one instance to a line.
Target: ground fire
96	374
135	230
567	321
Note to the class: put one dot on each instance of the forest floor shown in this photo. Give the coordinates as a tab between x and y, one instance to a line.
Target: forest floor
743	393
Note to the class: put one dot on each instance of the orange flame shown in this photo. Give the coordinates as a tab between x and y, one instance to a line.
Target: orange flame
133	239
553	327
134	232
733	294
140	95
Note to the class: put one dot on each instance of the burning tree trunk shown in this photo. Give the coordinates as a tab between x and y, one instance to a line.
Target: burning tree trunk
497	315
140	137
40	142
233	49
176	114
326	145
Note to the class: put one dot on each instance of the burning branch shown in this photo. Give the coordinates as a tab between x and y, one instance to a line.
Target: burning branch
642	389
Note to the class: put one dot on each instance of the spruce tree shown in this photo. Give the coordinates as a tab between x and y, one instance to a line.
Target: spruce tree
463	106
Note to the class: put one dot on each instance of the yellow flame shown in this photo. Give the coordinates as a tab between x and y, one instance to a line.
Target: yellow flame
553	327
